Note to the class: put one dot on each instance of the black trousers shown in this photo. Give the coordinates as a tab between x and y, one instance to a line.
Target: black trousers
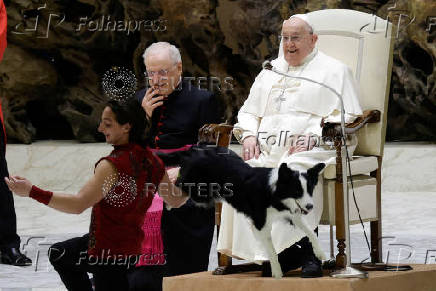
292	257
69	258
8	220
147	278
187	234
296	255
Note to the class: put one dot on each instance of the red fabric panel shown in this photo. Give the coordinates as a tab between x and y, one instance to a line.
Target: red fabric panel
3	25
3	43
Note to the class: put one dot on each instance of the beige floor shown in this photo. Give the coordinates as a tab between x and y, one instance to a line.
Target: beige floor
409	204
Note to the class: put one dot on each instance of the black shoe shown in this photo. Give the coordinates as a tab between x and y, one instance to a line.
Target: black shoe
266	269
13	256
311	268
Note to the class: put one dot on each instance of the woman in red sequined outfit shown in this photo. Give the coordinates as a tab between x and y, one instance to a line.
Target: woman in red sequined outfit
120	192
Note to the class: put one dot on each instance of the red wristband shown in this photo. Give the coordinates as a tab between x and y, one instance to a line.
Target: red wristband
40	195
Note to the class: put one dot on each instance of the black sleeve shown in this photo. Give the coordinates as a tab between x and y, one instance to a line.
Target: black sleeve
210	110
140	95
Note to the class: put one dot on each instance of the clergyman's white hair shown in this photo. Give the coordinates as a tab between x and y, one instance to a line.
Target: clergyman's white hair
158	47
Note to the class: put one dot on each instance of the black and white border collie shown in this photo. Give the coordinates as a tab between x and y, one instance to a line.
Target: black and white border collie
264	195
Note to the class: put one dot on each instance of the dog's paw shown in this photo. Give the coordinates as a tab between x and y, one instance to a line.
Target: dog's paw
320	254
276	273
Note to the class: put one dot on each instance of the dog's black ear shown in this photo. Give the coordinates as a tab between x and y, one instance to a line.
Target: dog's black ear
312	176
315	170
285	171
288	183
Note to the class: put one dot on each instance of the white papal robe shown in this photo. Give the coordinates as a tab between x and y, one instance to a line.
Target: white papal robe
276	109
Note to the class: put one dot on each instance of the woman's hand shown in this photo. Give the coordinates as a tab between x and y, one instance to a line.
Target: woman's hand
173	173
19	185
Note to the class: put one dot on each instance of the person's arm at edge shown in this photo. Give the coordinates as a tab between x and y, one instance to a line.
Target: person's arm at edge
3	29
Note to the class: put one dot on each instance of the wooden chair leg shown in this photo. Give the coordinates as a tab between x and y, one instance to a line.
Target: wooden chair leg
225	265
331	205
376	226
376	251
341	257
225	262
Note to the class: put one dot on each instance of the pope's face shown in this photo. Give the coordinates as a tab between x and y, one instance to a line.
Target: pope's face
298	42
163	73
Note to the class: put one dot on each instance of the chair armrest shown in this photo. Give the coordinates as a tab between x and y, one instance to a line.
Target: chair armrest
216	134
332	130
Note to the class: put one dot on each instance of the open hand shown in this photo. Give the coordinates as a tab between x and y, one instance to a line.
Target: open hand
19	185
303	145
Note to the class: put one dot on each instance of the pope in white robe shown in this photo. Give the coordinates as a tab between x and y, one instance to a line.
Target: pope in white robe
280	110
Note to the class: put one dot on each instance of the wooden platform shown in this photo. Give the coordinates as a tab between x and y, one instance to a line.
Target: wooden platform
421	278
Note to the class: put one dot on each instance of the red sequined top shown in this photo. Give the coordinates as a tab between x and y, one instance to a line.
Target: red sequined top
117	219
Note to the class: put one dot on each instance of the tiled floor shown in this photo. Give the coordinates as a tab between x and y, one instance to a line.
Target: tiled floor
408	205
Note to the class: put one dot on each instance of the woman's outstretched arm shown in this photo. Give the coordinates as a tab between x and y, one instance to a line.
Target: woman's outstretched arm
90	194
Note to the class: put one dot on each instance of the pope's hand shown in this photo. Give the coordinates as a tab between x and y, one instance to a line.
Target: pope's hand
303	145
151	101
250	148
19	185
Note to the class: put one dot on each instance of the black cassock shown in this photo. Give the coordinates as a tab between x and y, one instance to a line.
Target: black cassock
187	231
8	222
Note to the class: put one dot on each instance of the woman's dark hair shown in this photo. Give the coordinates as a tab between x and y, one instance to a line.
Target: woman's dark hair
130	111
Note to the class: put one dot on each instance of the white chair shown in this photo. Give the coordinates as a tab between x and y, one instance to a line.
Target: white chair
363	42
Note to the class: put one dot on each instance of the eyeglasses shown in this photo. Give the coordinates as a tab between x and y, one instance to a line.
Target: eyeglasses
161	73
291	38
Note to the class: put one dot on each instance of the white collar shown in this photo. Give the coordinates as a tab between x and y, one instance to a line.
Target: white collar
307	59
284	66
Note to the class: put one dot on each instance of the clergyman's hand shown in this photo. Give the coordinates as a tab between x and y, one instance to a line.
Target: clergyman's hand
19	185
151	101
250	148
